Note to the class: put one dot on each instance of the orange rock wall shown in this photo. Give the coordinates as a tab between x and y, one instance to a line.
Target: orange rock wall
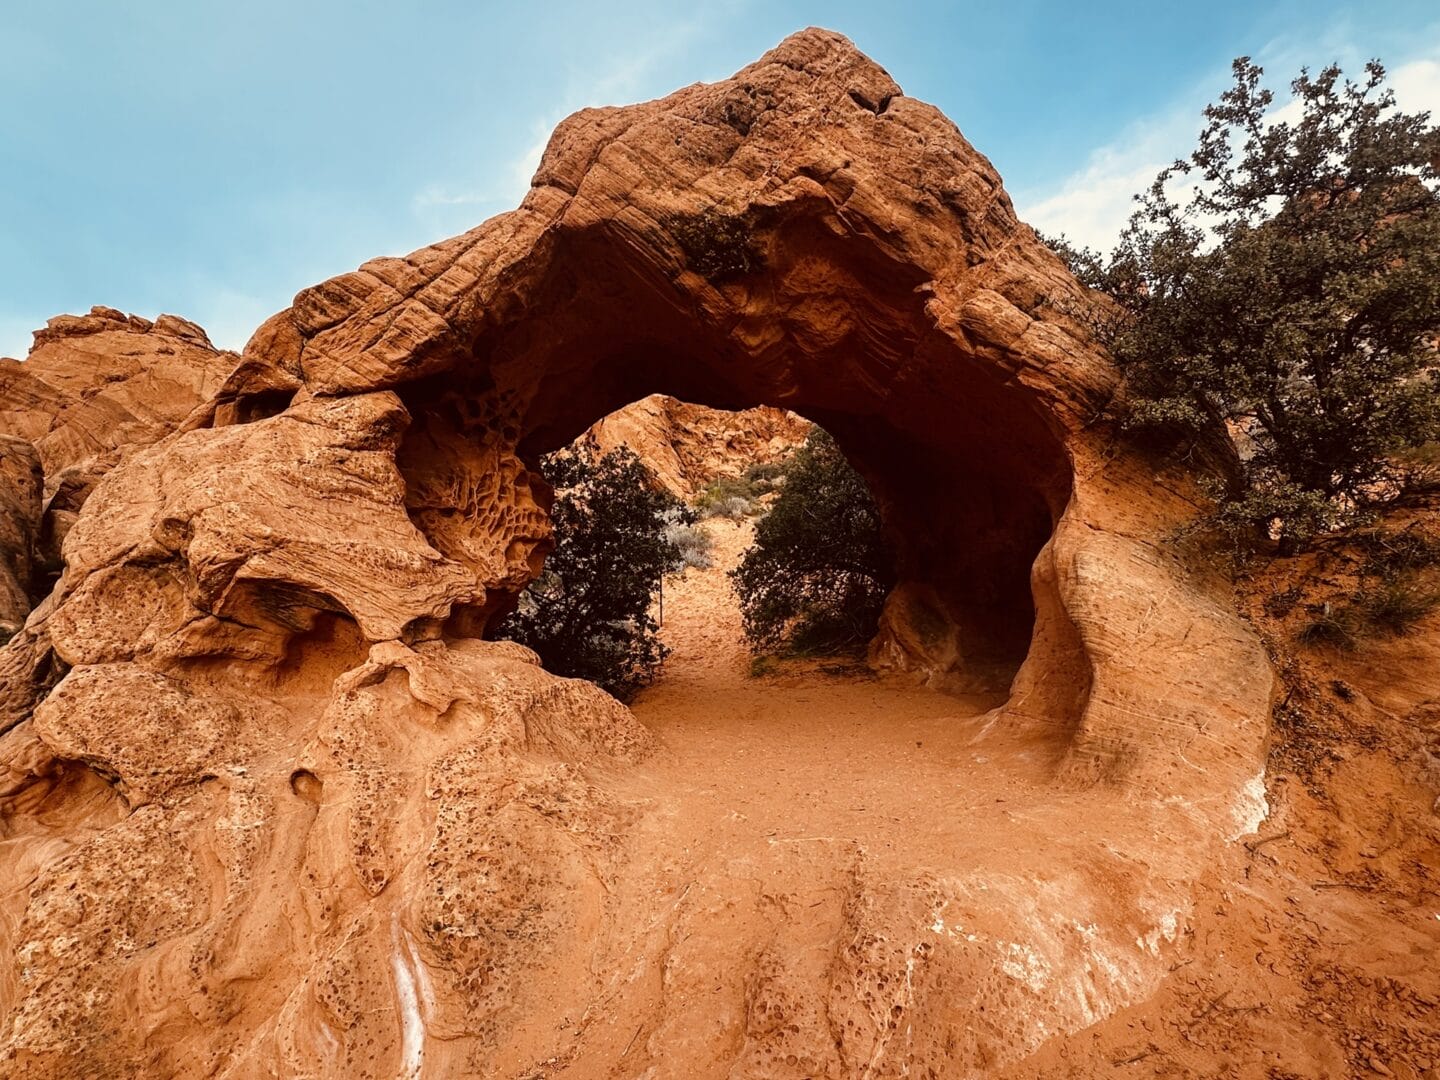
286	813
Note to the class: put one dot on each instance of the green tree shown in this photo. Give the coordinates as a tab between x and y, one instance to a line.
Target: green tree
588	613
819	570
1285	280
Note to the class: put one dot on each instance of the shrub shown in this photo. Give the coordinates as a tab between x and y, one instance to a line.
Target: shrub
587	614
765	477
819	570
1295	295
692	542
735	508
739	496
1388	609
1393	607
711	495
727	496
717	246
1392	554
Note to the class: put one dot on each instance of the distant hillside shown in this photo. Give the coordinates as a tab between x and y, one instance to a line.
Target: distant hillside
686	446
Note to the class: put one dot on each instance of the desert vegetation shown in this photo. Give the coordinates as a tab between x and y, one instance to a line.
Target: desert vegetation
1396	583
588	613
740	496
693	544
812	583
1284	281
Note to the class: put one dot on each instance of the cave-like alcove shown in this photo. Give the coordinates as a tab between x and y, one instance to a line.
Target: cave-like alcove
970	478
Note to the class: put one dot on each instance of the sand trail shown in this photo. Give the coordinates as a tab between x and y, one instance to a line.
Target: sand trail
799	845
805	753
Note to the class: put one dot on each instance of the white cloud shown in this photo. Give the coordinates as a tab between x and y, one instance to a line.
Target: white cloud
1091	205
522	168
1417	86
436	196
623	82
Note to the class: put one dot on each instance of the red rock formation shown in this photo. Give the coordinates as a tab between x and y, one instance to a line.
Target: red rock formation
687	446
94	386
21	481
287	815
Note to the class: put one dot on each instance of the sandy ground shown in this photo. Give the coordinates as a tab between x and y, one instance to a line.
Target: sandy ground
802	754
779	803
787	827
800	751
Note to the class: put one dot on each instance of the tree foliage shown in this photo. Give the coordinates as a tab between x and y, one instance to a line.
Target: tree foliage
1285	280
819	570
588	613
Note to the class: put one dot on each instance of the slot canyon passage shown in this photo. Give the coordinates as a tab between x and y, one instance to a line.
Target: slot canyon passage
274	806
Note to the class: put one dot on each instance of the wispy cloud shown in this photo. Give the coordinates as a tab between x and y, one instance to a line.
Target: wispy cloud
1091	205
230	316
505	184
435	196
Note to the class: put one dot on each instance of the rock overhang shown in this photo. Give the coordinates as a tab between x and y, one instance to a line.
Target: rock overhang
358	499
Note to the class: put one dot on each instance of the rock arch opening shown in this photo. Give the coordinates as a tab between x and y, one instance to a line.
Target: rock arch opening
864	269
969	479
960	608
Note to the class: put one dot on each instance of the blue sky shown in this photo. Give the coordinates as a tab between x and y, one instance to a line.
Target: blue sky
211	159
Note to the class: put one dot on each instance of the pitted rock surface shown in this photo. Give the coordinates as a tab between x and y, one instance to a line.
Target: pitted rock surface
286	813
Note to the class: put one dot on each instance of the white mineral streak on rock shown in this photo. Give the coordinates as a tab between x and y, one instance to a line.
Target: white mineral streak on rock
408	986
1251	807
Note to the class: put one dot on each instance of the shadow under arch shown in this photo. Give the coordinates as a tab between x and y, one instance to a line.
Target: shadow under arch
969	476
804	235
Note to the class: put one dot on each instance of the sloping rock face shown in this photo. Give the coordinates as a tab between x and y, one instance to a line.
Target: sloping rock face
686	446
92	387
98	383
287	814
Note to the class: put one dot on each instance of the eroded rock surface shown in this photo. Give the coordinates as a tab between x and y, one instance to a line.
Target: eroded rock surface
686	446
98	383
286	814
93	387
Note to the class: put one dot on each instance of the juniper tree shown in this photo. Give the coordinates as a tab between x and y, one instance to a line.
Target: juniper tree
1284	279
588	613
819	570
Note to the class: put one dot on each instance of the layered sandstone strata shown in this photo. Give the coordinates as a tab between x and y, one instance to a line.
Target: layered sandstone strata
286	813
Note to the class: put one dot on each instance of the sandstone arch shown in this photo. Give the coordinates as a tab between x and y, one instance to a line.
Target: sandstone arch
295	585
801	235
